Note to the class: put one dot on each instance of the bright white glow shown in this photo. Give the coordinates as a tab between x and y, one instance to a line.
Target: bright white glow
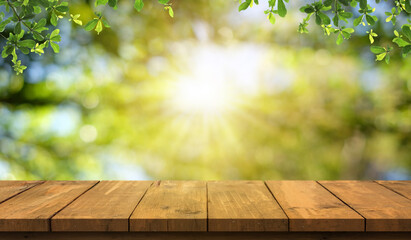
214	77
200	96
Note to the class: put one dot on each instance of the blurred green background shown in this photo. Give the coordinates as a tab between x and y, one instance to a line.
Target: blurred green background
209	94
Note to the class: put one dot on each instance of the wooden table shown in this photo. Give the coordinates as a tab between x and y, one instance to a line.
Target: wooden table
205	210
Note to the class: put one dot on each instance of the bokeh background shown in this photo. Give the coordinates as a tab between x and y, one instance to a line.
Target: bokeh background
209	94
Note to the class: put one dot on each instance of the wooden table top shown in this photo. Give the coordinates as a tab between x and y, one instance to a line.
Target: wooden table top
205	206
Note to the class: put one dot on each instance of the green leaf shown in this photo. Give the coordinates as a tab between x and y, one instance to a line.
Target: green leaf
40	24
75	19
340	39
346	14
7	50
346	35
371	36
91	25
53	18
38	36
138	5
101	2
4	24
387	58
112	3
17	28
348	30
39	48
170	11
335	20
26	43
328	3
244	5
271	3
37	9
20	35
307	9
63	7
324	18
377	49
353	3
400	42
406	50
317	19
282	10
344	2
271	18
358	20
99	27
105	23
370	19
24	50
363	4
406	30
54	36
55	47
381	56
407	6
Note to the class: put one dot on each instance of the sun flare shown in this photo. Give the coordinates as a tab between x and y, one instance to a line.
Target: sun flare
201	97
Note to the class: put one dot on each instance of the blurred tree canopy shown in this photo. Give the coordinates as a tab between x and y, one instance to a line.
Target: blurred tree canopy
295	106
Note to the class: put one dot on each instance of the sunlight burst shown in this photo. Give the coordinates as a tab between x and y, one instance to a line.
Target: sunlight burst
201	97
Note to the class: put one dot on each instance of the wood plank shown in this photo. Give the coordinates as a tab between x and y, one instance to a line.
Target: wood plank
243	206
204	236
401	187
310	207
172	206
106	207
383	209
9	189
32	209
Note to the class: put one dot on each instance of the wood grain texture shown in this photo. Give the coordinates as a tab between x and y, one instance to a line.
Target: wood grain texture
203	236
243	206
8	189
383	209
310	207
172	206
401	187
105	207
32	209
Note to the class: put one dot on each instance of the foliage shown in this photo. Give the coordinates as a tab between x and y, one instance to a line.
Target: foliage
25	16
343	10
33	16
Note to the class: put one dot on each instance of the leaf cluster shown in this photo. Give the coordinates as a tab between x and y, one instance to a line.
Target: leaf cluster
29	21
342	17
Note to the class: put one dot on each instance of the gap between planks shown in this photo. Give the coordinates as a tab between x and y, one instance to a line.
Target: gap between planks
365	220
144	194
272	194
70	203
390	188
20	192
